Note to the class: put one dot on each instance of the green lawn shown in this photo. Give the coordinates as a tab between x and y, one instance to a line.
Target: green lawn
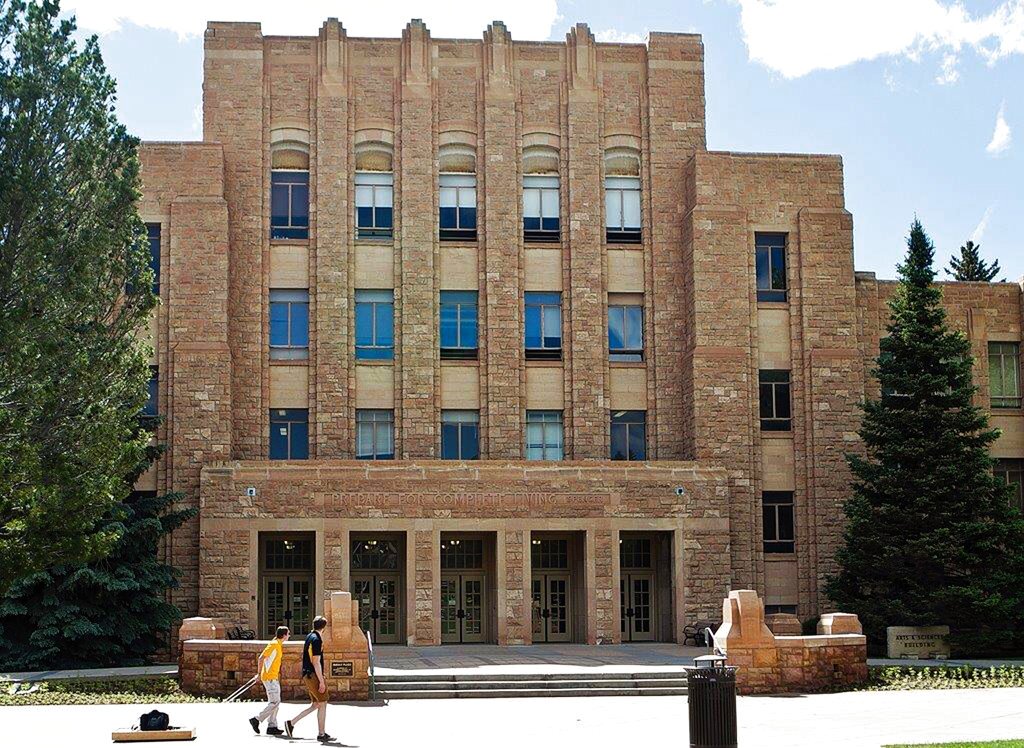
988	744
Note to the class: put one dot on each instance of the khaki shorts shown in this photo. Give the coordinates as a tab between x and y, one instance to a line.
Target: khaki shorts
313	688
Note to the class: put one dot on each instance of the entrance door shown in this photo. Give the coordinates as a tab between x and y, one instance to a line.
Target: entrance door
379	605
287	601
462	608
551	607
636	596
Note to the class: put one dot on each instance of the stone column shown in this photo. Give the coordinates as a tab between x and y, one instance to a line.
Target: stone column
427	603
513	588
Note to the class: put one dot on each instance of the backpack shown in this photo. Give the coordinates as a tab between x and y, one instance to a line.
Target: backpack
154	720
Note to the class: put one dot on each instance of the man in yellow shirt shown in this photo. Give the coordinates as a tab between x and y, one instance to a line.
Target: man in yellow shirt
269	670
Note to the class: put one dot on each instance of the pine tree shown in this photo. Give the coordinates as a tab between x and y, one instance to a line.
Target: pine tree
931	536
108	613
970	267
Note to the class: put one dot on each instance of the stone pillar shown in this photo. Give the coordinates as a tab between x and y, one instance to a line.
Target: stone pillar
586	419
500	241
417	180
605	592
513	587
233	116
331	438
675	97
427	613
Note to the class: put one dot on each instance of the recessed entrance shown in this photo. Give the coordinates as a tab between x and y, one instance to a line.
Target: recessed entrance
467	595
644	586
377	583
557	600
286	582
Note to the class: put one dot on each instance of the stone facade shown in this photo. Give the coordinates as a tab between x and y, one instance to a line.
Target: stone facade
404	101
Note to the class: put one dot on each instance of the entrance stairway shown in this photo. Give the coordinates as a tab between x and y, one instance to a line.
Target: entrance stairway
425	685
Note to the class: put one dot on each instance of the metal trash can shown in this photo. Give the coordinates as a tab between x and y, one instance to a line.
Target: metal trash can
711	693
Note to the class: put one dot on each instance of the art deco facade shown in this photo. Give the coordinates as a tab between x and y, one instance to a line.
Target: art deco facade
481	331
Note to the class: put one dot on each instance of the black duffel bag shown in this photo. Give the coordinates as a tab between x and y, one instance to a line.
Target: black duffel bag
154	720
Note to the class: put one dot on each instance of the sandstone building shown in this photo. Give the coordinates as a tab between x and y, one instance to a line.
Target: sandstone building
480	331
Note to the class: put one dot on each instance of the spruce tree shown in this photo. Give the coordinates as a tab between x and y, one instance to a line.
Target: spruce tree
931	536
108	613
970	267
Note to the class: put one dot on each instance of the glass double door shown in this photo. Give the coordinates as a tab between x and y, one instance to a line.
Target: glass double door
636	600
380	606
551	607
462	608
287	601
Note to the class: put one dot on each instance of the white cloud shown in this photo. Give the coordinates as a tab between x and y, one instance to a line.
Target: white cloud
949	74
620	37
525	19
979	230
1001	135
796	37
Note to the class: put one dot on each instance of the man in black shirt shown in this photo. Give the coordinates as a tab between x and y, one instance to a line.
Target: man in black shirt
313	680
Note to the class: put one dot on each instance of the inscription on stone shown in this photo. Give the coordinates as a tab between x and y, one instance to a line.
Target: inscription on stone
924	642
341	668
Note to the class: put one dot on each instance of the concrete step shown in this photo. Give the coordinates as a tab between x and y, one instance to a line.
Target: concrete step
522	685
547	677
433	685
527	692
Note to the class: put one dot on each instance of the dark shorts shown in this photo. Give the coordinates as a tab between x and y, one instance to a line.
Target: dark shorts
313	688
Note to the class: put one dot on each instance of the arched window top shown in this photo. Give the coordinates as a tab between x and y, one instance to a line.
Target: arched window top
456	158
540	153
622	161
289	148
375	150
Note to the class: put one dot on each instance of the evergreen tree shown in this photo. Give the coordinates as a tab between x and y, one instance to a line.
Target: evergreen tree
73	370
970	267
931	536
108	613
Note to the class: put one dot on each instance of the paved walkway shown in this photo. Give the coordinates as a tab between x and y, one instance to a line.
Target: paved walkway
102	673
846	720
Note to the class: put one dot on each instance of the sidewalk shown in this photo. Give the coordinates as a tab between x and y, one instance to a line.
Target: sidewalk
102	673
844	720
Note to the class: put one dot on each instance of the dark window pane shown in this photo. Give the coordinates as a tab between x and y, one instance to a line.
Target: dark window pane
467	218
448	218
364	216
470	442
279	205
616	334
531	223
279	324
449	441
618	451
467	326
384	218
533	327
278	441
634	319
637	442
364	324
786	522
778	267
549	224
300	324
300	205
770	530
449	325
385	324
300	441
782	401
765	397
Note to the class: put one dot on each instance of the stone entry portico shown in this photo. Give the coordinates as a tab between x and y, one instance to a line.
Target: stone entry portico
510	504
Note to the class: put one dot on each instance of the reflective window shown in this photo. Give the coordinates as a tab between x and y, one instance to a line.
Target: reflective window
635	553
289	434
289	324
770	250
543	328
289	204
774	396
540	208
153	236
777	520
457	200
1004	374
629	435
375	554
549	553
460	435
152	407
544	435
462	553
374	201
625	330
375	434
622	209
287	554
1012	473
458	324
375	323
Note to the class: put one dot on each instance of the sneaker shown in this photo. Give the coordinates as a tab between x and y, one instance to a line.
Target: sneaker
324	737
288	729
255	725
275	731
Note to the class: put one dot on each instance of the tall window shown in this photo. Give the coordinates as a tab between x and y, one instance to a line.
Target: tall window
776	412
460	435
457	201
289	204
1012	472
458	324
374	199
152	407
289	324
777	516
629	435
770	251
1004	374
625	327
153	235
543	336
622	209
289	434
375	434
540	208
544	435
375	323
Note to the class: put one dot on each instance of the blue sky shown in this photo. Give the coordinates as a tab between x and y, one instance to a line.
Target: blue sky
924	99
